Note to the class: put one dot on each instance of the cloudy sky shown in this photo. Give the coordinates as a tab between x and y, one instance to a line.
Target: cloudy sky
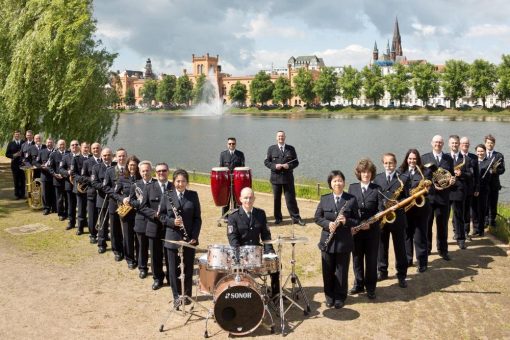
253	35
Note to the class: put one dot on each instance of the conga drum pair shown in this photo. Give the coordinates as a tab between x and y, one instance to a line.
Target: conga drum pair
221	185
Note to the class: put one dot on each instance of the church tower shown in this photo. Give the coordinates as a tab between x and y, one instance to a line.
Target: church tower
396	44
375	52
148	69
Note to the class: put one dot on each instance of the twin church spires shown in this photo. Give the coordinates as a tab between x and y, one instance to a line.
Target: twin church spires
396	47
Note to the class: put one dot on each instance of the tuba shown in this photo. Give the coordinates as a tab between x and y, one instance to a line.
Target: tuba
393	200
34	188
419	200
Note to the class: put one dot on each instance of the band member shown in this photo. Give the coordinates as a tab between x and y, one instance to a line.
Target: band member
392	185
282	160
152	206
122	192
481	201
13	152
68	171
472	183
135	200
81	197
336	214
59	181
97	179
458	190
34	153
110	183
439	196
25	148
48	191
366	242
85	179
417	217
231	158
183	221
496	169
248	226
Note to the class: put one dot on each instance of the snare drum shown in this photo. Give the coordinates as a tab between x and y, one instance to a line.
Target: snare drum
242	179
219	257
238	304
207	279
270	265
250	257
220	186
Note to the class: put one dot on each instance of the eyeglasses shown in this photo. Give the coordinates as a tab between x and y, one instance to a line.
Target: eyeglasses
158	171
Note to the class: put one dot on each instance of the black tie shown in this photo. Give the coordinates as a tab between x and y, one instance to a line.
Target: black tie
388	179
437	158
363	191
281	149
180	196
249	215
337	203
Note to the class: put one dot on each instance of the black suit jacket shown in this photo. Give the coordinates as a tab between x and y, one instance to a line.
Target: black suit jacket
12	149
98	181
86	176
54	167
440	197
472	176
67	169
189	209
458	190
34	153
275	156
26	155
110	186
412	182
368	205
136	199
484	175
326	212
42	161
244	231
495	183
154	202
231	161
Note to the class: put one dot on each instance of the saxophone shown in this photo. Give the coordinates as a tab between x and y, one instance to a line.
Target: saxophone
393	200
324	246
419	201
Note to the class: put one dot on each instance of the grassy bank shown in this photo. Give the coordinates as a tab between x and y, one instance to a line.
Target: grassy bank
502	230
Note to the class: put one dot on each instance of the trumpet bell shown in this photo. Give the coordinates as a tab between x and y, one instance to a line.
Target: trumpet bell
419	201
389	217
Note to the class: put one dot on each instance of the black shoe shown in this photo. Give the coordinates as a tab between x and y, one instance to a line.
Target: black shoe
422	269
143	274
339	304
429	251
356	290
476	234
461	244
156	285
92	240
46	212
299	221
61	218
278	221
402	283
330	304
69	226
445	256
79	231
101	250
119	257
108	238
371	295
409	263
131	266
382	276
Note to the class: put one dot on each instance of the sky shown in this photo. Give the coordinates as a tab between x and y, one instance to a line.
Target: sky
250	36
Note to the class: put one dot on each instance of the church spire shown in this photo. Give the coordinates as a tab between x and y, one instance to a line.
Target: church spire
396	44
375	52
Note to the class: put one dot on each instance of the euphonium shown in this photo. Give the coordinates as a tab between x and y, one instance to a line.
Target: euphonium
391	216
33	188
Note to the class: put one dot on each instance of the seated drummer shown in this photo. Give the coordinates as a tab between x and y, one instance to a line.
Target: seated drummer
247	226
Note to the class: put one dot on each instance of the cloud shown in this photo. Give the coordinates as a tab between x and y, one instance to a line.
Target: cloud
262	27
486	30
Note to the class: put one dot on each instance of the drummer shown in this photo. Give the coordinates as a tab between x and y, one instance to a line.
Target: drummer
231	158
247	226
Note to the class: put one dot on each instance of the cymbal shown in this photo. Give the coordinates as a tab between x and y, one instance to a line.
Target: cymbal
287	239
185	244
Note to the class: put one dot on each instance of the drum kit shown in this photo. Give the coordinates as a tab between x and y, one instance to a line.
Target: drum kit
226	187
240	301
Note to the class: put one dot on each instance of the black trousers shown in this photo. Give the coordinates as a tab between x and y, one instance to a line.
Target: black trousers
71	207
335	273
48	196
174	271
364	259
62	203
440	213
480	208
290	199
398	235
156	250
103	227
492	206
116	233
458	219
416	234
129	240
81	205
468	213
18	177
92	216
143	251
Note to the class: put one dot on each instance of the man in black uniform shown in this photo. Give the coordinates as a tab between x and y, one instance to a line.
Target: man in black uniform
81	197
247	226
282	159
25	148
472	183
58	181
458	191
34	153
85	177
439	196
496	169
231	158
68	171
48	191
13	152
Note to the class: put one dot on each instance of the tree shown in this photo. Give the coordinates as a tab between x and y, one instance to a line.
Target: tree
325	85
398	83
282	90
503	87
373	83
350	83
166	89
130	99
53	74
303	86
261	88
425	81
454	80
148	91
483	78
238	93
183	90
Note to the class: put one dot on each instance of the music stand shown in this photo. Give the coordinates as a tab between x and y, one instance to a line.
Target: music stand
180	302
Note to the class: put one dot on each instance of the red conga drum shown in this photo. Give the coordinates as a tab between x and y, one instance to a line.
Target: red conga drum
220	186
242	179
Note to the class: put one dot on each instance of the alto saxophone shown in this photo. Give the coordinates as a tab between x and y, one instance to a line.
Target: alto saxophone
390	202
324	246
419	201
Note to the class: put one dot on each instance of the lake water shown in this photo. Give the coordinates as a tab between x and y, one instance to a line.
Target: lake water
322	144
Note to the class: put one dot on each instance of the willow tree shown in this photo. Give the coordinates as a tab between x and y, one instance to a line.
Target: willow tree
53	74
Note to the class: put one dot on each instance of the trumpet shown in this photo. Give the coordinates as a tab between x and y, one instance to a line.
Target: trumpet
324	246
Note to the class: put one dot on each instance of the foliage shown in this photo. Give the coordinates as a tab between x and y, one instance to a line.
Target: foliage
325	85
166	89
373	83
53	74
398	83
282	91
238	93
261	88
483	78
148	91
425	81
503	86
130	99
183	90
303	86
454	80
350	83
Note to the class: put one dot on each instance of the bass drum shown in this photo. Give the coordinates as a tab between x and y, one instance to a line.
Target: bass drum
220	186
242	179
238	305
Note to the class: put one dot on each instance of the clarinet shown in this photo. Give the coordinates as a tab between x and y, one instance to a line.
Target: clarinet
324	246
185	235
